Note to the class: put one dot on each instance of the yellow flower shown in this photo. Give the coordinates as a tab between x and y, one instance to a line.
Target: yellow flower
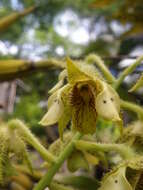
84	97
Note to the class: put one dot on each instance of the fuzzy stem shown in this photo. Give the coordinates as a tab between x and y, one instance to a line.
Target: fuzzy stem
31	139
46	180
127	71
122	149
132	107
93	58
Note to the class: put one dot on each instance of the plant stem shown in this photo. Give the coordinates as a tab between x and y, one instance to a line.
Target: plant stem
133	107
46	180
31	139
123	150
93	58
127	71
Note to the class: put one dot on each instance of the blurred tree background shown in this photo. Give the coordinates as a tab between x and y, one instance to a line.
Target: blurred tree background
59	28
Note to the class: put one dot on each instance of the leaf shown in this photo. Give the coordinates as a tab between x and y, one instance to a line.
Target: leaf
80	182
58	186
138	84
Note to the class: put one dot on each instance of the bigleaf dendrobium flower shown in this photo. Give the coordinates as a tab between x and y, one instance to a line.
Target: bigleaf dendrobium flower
81	100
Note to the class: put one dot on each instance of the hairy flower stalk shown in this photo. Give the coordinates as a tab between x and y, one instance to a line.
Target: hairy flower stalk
132	107
11	144
31	139
124	150
128	71
138	84
95	59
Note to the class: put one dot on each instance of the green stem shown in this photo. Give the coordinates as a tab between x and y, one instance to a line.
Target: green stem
122	149
46	180
132	107
127	71
93	58
138	84
31	139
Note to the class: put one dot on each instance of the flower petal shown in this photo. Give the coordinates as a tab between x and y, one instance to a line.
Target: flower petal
54	113
116	181
108	104
74	72
57	86
60	83
84	119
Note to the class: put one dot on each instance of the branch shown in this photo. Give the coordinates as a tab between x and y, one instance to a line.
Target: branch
11	69
95	59
7	21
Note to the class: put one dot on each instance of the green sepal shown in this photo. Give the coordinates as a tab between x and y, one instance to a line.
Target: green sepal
77	161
